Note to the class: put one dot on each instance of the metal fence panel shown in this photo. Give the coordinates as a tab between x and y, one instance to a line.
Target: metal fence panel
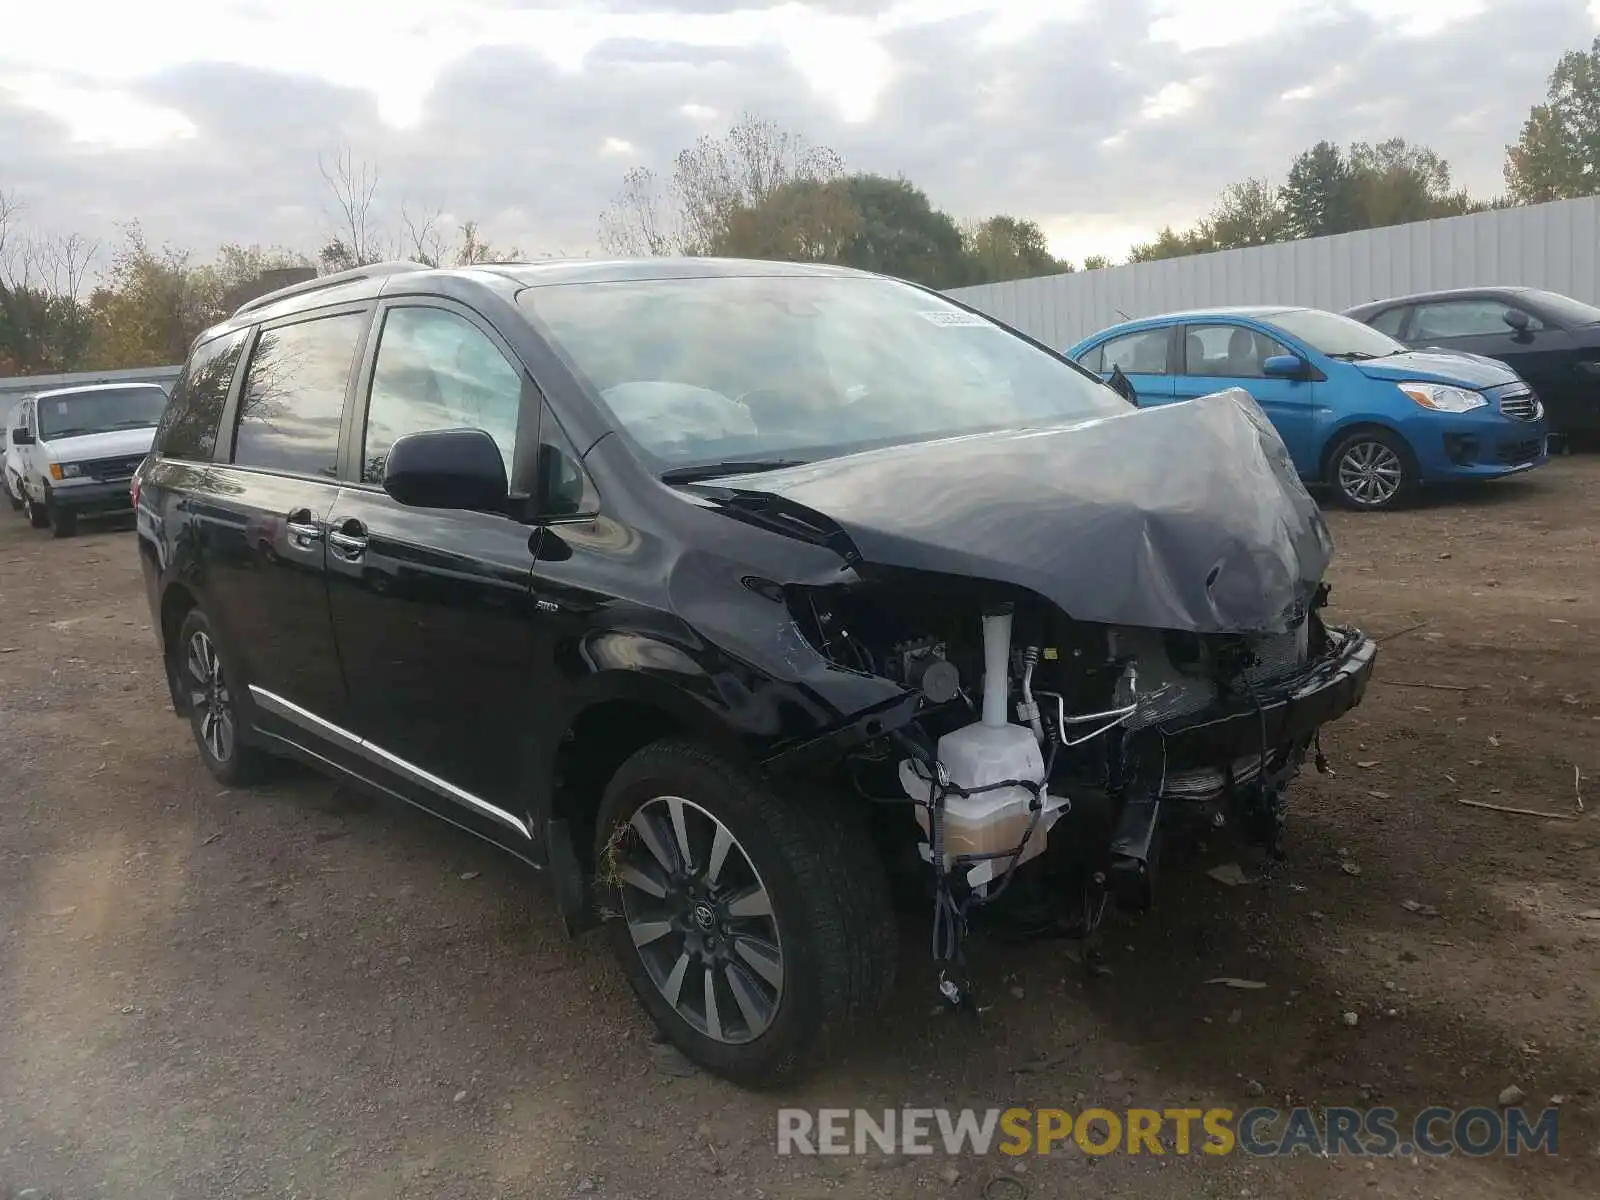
1542	245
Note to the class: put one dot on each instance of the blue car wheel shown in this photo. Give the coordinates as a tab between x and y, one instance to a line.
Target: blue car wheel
1371	469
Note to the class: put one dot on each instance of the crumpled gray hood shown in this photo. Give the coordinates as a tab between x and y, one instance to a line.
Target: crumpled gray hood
1188	516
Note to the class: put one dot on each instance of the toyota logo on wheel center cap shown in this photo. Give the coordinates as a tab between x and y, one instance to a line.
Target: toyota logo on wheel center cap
704	916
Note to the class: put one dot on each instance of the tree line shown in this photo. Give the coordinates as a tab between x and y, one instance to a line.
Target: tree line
69	304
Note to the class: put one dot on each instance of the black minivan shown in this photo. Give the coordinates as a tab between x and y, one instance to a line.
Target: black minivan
722	590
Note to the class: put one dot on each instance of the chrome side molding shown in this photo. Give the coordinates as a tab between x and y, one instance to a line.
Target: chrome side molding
309	721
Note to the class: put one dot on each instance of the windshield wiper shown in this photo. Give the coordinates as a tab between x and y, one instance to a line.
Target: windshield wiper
1353	356
70	431
728	467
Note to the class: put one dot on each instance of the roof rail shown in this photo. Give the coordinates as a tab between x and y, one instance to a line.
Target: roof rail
372	271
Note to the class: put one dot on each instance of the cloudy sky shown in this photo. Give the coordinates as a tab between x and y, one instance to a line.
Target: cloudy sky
1101	119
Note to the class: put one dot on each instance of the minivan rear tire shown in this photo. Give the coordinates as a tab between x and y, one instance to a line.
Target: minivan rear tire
783	912
218	709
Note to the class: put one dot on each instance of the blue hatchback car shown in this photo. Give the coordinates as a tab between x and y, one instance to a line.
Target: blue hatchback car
1357	409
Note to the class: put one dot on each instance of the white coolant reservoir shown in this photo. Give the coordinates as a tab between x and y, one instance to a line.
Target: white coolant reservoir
980	755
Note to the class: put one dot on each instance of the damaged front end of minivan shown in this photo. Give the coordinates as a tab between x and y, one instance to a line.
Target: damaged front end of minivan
1092	635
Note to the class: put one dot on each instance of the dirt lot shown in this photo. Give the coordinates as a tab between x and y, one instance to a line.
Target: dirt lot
301	992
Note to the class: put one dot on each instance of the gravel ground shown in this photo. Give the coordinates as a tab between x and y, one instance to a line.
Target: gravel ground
302	992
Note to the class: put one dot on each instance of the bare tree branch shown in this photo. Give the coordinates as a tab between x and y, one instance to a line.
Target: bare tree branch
422	238
354	184
633	225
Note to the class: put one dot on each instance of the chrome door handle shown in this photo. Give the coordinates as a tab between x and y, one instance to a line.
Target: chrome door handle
347	545
303	533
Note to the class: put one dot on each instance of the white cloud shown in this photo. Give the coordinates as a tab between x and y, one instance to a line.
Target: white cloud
1102	121
1170	101
100	116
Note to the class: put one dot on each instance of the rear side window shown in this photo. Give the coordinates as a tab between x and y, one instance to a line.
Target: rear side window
1142	353
293	396
189	426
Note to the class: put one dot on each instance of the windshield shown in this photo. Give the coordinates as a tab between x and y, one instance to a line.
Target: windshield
1337	337
1564	310
99	411
760	369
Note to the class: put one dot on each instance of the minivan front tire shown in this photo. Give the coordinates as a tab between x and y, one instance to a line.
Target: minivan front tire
217	713
752	924
1371	470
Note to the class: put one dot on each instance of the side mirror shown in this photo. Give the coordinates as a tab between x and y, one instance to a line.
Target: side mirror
447	468
1517	319
1284	366
21	437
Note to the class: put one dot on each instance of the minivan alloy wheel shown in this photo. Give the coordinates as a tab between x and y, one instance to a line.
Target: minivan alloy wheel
209	697
1370	473
701	919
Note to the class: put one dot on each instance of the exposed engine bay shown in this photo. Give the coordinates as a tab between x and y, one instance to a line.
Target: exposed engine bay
1049	755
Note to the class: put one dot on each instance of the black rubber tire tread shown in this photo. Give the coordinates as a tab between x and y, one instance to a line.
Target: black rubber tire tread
37	516
249	763
1408	481
829	890
63	524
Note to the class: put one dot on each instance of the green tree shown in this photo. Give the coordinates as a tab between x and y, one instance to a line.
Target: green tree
1250	213
1097	262
1558	155
44	324
802	221
1005	247
901	234
1169	243
716	182
1319	195
1395	182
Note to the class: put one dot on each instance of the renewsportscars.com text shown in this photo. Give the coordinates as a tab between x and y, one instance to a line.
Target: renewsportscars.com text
1259	1132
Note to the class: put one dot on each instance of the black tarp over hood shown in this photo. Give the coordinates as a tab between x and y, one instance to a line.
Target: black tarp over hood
1189	516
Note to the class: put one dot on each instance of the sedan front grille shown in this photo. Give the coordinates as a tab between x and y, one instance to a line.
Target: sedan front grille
1515	453
1521	406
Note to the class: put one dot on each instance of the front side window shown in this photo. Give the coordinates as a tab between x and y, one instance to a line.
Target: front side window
1390	320
136	406
770	367
437	370
189	426
1465	318
1232	351
293	396
1142	353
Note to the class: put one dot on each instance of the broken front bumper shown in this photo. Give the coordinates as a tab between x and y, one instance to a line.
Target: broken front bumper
1244	726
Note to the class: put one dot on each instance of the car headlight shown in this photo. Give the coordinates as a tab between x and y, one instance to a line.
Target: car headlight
1441	397
65	470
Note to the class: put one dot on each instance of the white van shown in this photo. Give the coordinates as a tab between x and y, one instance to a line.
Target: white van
72	452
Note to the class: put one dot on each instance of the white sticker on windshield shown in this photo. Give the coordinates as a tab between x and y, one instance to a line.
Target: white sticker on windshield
953	318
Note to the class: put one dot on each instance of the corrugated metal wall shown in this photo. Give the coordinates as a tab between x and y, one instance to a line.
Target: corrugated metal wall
1545	245
14	387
